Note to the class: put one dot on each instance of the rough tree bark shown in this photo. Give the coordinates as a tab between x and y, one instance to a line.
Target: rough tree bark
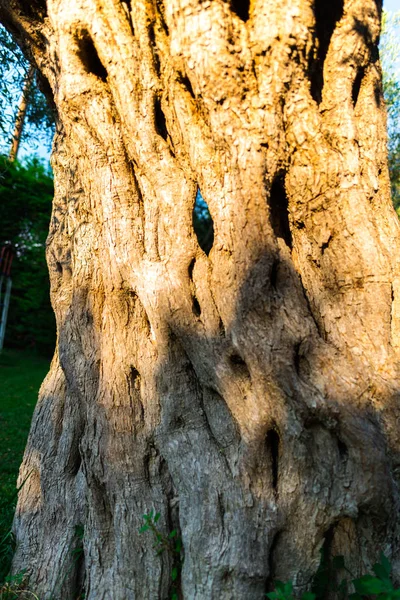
250	396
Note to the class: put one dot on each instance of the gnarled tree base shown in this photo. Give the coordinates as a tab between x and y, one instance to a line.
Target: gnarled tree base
249	396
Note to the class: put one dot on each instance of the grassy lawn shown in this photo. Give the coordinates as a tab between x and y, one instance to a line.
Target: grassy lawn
20	377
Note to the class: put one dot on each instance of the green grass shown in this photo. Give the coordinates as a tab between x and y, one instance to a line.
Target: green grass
20	377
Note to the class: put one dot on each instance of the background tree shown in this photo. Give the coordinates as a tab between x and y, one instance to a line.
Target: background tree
249	397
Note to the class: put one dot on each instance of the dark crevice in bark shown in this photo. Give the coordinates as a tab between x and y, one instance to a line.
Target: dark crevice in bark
185	81
203	224
195	303
239	365
241	8
343	449
35	9
127	5
75	461
325	245
328	539
221	327
171	148
134	392
196	307
221	512
161	12
88	55
156	58
363	29
160	120
327	14
134	376
79	566
272	443
297	357
279	209
357	84
191	267
328	542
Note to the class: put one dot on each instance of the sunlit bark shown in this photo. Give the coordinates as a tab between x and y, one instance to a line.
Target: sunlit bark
250	396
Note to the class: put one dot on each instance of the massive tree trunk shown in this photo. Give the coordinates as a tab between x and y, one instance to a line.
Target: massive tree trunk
251	396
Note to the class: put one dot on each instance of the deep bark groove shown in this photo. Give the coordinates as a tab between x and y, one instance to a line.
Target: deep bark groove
36	9
272	442
186	83
357	84
160	120
89	56
279	209
239	366
274	274
241	8
196	307
161	13
297	357
191	267
327	15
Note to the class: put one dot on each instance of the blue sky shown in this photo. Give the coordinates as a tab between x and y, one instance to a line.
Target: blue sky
391	5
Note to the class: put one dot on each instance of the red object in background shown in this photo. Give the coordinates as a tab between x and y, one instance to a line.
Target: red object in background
6	258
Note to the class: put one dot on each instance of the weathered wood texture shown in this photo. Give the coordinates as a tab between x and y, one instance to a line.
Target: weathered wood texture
250	396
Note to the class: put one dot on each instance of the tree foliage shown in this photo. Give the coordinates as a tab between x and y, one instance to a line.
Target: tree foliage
24	220
39	118
390	51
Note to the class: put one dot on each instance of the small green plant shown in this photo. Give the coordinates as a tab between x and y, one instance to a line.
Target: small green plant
327	580
15	588
170	543
7	539
377	586
284	591
7	545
